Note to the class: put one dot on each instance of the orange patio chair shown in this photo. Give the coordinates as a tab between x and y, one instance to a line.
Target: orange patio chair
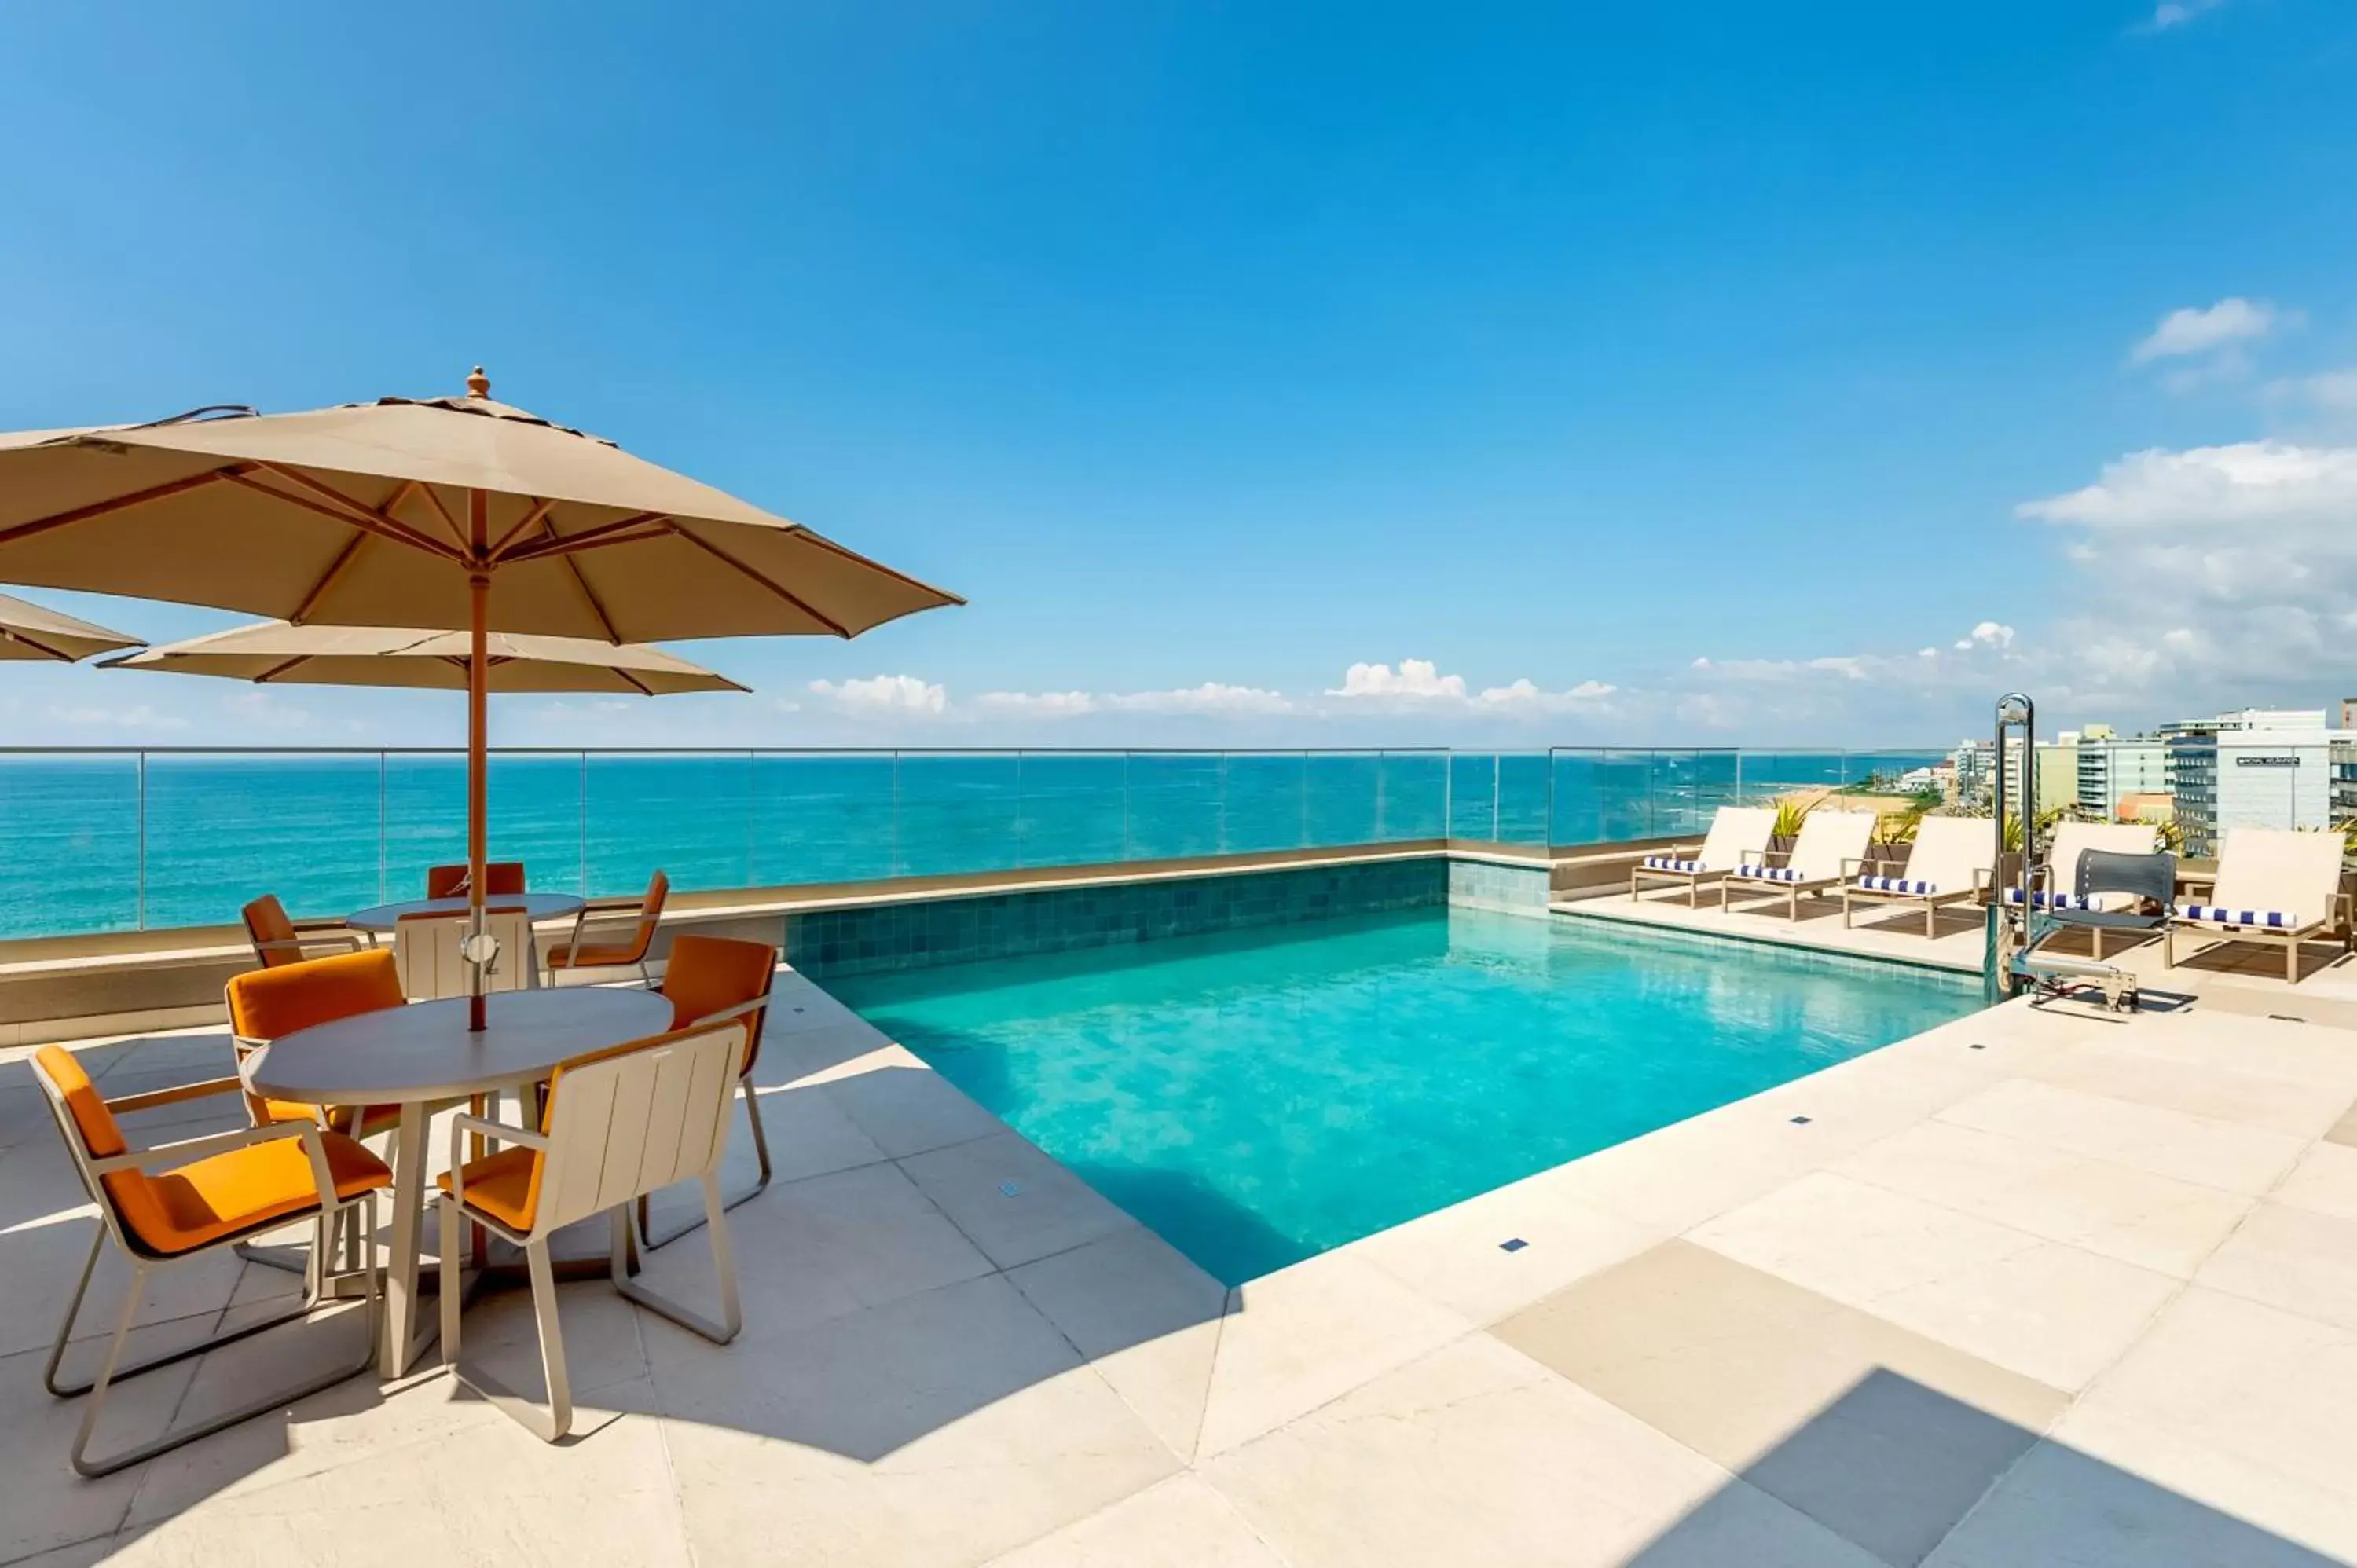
501	879
274	941
711	980
616	1124
625	953
176	1201
265	1003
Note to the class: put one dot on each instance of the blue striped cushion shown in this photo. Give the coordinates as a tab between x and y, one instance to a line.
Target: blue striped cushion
2040	899
1770	873
1671	863
1896	884
2235	919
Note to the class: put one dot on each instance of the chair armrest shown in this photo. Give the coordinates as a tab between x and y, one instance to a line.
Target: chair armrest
725	1014
188	1149
1852	866
176	1093
495	1132
1982	878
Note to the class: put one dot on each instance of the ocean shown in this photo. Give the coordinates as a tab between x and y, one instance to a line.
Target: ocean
121	841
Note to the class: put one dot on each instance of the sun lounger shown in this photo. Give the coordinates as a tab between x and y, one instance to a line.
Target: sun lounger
1950	864
2275	884
1733	830
1830	842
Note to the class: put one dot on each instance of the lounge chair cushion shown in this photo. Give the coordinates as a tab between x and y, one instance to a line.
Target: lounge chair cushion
1671	863
1897	885
2239	919
1768	873
2041	899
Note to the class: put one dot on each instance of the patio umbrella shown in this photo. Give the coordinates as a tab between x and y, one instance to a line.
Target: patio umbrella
447	513
28	631
273	653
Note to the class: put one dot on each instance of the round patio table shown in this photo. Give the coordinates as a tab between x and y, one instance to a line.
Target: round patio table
422	1058
536	905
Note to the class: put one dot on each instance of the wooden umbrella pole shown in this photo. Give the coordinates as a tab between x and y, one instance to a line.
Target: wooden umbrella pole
478	765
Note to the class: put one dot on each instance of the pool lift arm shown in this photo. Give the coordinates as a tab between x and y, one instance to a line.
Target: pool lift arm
2014	963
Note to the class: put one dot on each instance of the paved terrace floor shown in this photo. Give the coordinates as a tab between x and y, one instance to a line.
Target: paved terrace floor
2039	1286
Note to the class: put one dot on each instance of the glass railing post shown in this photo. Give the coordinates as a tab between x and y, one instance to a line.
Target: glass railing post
139	915
582	813
1018	808
1221	842
752	812
894	863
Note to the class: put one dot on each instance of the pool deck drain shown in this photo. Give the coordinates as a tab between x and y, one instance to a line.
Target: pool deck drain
2077	1292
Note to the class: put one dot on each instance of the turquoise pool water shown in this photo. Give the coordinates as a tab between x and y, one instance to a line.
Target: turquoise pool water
1259	1097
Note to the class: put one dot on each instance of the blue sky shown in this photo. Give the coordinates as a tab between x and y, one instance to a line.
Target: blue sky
1212	351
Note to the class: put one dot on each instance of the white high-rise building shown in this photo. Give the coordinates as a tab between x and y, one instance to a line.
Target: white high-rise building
2260	767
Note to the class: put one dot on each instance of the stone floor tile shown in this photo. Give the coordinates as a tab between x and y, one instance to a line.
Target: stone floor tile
905	1106
1177	1523
1145	1316
1294	1339
941	1429
2050	1312
1015	1202
1475	1454
2324	1181
1458	1257
2223	1155
1880	1434
2118	1211
2297	1259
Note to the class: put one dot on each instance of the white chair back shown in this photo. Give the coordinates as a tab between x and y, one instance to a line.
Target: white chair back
1951	851
427	950
1736	833
637	1121
2279	869
2073	840
1828	838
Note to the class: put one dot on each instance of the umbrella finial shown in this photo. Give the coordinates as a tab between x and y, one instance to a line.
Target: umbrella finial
479	384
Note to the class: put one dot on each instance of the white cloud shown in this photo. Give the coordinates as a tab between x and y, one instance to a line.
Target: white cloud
1210	697
1414	679
1525	696
2211	572
2250	482
2177	12
2329	392
141	717
1987	634
2190	331
885	694
1037	704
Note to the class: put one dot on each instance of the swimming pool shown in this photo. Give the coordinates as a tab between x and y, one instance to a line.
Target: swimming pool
1260	1097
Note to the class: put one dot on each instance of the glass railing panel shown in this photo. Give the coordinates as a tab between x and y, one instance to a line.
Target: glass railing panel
534	817
1339	791
1685	788
690	816
223	829
1074	808
70	830
1178	804
1473	795
958	812
819	817
1414	796
1522	794
1624	795
1767	775
1267	798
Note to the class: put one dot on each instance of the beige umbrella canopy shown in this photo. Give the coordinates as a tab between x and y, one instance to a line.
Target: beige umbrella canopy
274	653
444	513
28	631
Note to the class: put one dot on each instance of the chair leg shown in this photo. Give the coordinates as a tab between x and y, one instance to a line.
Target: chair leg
760	1185
111	1371
2291	962
724	1261
552	1424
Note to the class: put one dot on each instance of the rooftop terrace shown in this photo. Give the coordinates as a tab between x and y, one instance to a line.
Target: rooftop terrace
2044	1284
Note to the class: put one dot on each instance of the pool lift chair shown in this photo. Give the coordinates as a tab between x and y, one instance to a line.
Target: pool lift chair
2016	961
2139	887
